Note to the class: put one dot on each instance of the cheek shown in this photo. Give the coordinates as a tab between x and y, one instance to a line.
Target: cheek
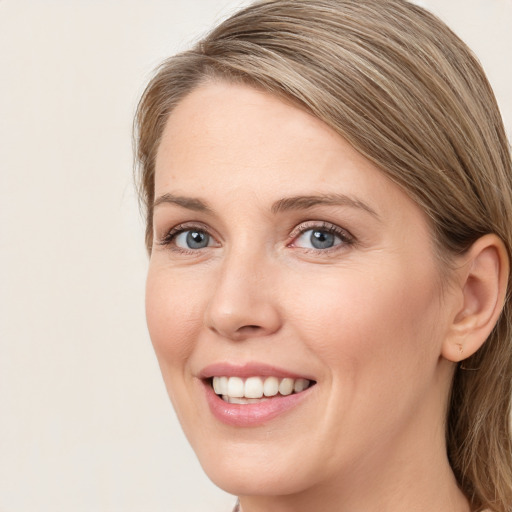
386	321
173	314
375	335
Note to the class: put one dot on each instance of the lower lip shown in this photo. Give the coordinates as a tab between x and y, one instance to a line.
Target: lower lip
255	414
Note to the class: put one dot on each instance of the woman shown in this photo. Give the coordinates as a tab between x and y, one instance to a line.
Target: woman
328	196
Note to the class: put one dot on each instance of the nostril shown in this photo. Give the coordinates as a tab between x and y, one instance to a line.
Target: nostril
248	328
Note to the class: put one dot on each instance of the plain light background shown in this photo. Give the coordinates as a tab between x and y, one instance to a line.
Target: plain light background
85	423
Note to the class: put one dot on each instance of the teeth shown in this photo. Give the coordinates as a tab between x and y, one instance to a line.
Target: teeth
300	385
286	387
270	386
254	389
233	400
235	387
220	385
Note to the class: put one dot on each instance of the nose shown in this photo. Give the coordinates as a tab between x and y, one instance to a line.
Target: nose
244	302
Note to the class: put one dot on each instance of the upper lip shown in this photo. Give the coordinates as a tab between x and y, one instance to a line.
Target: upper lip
246	370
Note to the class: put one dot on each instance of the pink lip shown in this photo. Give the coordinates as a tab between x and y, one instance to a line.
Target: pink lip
247	370
255	414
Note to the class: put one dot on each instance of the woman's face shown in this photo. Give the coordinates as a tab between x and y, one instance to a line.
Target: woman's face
283	258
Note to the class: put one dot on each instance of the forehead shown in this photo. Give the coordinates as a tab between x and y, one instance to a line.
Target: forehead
230	123
225	140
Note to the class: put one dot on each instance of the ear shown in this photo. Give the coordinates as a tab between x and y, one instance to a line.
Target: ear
482	281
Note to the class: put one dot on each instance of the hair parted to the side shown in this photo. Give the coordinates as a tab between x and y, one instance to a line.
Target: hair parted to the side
410	96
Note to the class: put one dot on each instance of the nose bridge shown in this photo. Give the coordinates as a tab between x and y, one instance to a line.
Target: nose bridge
243	303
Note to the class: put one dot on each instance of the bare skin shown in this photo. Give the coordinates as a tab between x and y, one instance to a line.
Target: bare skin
359	309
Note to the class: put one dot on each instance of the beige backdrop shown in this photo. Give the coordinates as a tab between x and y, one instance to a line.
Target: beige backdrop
85	423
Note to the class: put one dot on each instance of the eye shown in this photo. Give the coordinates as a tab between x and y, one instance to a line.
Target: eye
321	236
317	239
186	238
192	239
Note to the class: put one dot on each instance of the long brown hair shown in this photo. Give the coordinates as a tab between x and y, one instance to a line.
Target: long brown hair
410	96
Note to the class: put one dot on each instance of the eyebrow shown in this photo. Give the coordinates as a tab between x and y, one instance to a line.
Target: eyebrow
190	203
281	205
305	202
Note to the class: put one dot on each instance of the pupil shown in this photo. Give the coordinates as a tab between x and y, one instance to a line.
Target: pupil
322	240
197	239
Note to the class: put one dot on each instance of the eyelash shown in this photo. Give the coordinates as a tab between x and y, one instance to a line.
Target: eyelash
171	235
346	238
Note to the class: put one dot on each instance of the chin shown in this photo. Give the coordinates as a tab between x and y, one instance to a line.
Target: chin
256	479
254	468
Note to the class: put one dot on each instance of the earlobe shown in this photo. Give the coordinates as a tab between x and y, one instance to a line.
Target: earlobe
483	277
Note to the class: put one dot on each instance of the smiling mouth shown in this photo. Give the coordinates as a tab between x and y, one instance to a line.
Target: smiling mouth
236	390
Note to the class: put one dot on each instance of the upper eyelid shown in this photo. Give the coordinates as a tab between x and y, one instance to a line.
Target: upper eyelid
186	226
170	234
320	225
